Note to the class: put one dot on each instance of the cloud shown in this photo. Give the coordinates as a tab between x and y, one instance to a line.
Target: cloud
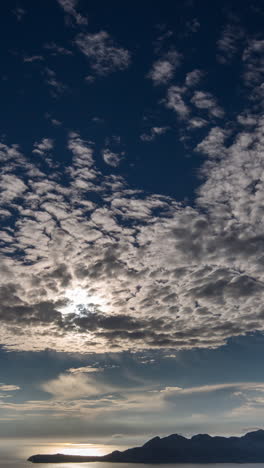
230	43
192	26
111	158
247	120
174	391
33	58
197	122
8	388
193	78
43	147
69	6
56	49
163	69
153	133
19	13
213	143
205	101
104	55
253	63
57	87
55	122
74	386
84	370
74	277
12	187
175	101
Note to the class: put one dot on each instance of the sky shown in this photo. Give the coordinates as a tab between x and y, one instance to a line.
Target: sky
132	202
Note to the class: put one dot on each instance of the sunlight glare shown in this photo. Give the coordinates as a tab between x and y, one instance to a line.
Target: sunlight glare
83	449
80	298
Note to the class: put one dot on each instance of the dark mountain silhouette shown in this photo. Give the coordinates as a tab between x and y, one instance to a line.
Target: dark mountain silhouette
201	448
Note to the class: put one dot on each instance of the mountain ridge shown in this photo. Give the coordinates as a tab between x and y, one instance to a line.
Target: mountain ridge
175	448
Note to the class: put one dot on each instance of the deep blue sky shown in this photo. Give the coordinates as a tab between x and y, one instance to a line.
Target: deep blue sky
131	284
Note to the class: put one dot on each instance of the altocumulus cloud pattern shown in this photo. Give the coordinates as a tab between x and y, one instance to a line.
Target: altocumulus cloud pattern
160	274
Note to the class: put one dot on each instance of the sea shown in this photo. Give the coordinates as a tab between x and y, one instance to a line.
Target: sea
15	452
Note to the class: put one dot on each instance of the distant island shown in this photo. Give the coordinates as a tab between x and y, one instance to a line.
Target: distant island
201	448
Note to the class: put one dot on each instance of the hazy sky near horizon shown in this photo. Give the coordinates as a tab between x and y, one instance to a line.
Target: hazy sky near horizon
132	201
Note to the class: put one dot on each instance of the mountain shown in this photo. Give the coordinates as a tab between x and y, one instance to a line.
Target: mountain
201	448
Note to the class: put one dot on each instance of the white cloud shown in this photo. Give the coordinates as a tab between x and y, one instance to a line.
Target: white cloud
247	119
164	68
69	6
8	388
84	370
197	122
112	158
104	55
206	101
213	144
56	122
12	187
253	62
43	147
176	102
193	78
174	391
82	152
74	386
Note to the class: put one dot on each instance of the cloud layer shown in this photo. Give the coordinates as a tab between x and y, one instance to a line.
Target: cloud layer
91	265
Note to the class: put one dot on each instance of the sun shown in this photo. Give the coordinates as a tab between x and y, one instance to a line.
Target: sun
79	298
83	449
71	448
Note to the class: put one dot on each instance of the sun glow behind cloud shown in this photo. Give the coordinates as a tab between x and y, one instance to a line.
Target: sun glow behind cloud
79	299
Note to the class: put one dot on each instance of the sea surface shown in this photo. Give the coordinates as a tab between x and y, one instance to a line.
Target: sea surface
14	454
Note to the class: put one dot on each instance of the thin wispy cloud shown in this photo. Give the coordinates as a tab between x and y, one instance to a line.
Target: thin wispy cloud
19	13
70	8
153	133
56	86
174	391
84	370
8	388
230	43
56	49
33	58
104	54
